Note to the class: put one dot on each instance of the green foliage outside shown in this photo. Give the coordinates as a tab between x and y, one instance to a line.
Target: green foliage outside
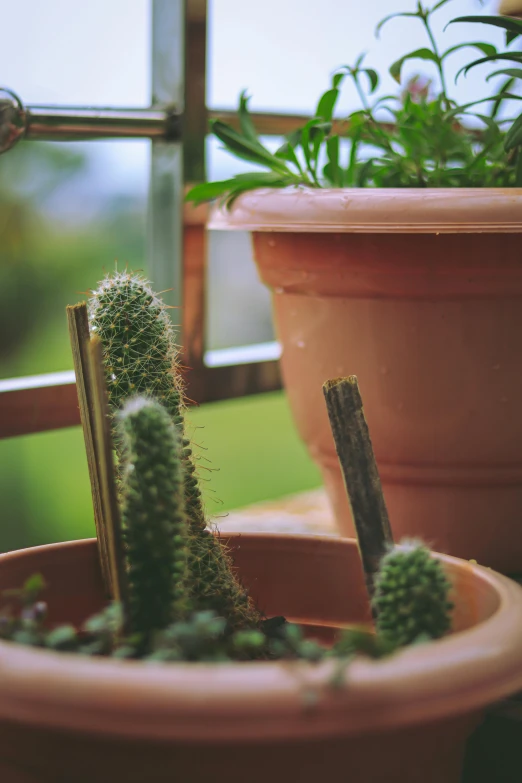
251	443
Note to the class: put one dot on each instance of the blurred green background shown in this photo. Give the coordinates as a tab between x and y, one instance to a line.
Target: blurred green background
46	261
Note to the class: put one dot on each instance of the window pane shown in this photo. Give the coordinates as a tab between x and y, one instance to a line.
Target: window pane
73	52
68	212
238	305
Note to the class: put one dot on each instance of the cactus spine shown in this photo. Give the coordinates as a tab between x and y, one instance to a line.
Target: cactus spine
140	357
153	513
411	595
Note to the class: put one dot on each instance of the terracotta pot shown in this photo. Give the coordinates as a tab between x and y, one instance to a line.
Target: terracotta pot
69	718
419	294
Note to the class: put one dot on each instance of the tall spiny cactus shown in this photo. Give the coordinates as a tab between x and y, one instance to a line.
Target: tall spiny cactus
153	514
411	595
140	356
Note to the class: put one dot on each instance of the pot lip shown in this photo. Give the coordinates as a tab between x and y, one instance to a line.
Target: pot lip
456	675
374	210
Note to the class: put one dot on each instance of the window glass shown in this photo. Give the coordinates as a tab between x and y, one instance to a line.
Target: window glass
284	52
68	210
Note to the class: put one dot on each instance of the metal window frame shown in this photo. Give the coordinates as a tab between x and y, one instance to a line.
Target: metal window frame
176	123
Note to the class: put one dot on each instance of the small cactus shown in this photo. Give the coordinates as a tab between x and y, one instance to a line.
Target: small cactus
411	595
153	515
141	357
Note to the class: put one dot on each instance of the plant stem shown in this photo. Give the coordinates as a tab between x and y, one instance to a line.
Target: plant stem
425	19
381	134
362	96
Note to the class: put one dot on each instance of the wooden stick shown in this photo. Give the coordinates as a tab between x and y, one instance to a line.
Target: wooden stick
79	335
361	477
111	510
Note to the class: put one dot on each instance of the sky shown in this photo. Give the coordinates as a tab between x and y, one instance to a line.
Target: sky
282	51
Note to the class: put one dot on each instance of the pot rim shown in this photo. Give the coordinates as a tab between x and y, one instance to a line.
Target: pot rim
374	210
272	700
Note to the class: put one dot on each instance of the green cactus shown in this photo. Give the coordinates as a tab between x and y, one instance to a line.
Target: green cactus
141	357
411	595
153	515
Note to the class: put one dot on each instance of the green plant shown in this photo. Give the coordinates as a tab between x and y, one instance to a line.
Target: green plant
411	596
411	601
419	138
513	28
154	521
199	637
141	357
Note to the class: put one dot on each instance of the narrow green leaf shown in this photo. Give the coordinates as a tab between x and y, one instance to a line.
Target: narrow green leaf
245	120
439	5
244	148
505	22
305	146
515	57
461	109
502	95
373	76
312	133
515	73
350	174
364	173
418	54
286	152
294	138
514	135
326	105
384	99
317	136
229	189
394	16
518	169
489	122
337	78
207	191
486	48
260	178
332	152
510	36
245	182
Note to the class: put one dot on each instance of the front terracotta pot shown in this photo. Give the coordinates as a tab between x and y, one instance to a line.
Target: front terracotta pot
419	294
68	718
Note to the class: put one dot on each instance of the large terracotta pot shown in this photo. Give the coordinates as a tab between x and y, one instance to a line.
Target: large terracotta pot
68	718
419	294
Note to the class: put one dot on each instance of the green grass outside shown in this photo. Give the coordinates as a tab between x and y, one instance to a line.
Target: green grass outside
254	452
